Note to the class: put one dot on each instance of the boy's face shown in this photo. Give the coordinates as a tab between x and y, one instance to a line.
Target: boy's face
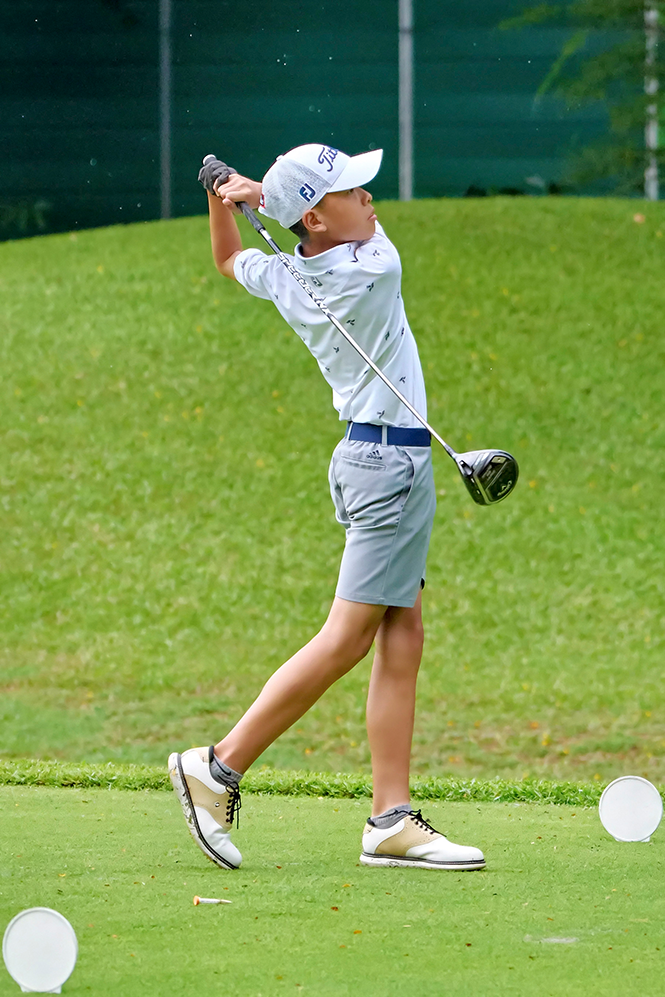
344	216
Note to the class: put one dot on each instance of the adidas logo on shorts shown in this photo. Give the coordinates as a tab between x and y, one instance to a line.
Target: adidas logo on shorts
374	455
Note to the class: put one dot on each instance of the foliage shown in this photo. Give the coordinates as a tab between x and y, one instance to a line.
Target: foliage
604	59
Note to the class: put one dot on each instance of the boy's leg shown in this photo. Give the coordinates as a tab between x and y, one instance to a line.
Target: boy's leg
345	638
391	703
396	835
206	779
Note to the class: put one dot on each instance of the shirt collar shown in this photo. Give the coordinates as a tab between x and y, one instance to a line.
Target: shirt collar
323	262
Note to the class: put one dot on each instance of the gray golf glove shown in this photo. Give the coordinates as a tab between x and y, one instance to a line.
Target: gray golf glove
214	169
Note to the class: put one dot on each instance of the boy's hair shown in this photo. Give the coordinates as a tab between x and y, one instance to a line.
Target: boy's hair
300	230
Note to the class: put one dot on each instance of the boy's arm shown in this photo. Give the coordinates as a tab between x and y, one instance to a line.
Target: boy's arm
224	234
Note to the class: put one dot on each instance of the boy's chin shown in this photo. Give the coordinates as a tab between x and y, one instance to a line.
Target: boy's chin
367	231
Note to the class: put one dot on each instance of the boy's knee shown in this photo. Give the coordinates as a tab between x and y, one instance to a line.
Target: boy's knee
362	646
415	637
417	633
347	649
354	647
406	633
410	623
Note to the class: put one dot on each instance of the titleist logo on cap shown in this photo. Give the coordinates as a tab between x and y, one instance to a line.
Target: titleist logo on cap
327	157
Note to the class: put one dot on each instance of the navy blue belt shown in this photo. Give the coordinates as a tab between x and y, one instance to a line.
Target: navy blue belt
397	436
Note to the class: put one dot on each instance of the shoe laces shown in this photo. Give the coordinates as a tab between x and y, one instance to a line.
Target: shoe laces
233	805
421	822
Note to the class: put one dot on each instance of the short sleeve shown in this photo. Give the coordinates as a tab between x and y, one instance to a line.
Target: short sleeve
252	269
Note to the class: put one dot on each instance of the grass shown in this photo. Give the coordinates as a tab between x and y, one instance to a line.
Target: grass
168	538
561	908
272	782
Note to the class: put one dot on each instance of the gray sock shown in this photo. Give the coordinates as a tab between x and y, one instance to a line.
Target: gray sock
221	772
391	816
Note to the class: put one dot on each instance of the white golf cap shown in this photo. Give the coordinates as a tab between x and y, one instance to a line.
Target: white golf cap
299	179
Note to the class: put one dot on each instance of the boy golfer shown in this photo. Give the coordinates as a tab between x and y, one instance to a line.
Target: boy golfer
382	488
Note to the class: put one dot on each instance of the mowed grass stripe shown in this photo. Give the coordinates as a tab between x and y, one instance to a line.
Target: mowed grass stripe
79	775
562	908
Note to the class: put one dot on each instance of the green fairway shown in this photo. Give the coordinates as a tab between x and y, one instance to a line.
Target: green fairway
561	908
168	538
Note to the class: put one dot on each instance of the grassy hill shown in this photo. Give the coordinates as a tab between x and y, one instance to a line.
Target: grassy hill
168	538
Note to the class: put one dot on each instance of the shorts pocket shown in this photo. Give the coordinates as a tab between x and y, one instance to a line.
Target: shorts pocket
373	500
370	465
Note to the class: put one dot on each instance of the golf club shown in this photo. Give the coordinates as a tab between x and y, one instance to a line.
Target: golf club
489	475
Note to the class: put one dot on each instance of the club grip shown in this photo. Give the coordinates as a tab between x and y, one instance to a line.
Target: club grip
250	216
243	205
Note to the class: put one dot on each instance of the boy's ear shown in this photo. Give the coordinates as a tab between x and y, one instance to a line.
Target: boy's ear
313	221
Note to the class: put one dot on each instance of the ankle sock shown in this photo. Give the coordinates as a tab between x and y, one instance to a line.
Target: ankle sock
223	773
392	816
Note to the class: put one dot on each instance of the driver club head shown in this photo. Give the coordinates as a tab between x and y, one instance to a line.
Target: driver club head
489	475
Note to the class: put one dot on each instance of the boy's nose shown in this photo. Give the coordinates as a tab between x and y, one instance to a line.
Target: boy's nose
366	196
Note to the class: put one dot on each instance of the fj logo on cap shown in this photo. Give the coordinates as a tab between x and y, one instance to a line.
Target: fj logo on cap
327	157
307	192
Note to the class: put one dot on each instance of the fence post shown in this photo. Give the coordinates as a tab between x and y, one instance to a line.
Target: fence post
405	100
165	105
651	86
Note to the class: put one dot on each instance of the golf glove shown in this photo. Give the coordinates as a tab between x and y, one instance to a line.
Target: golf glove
214	170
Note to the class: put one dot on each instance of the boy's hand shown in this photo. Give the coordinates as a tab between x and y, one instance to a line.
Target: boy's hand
236	188
214	170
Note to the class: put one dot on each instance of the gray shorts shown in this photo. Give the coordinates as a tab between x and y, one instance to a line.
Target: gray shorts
384	497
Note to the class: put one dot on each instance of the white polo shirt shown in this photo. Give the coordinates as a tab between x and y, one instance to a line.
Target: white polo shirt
361	285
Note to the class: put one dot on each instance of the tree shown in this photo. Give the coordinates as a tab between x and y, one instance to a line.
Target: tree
624	76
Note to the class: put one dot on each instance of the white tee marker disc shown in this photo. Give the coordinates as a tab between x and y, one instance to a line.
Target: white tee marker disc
631	808
40	950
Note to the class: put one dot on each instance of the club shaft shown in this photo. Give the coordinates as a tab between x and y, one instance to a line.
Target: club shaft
320	303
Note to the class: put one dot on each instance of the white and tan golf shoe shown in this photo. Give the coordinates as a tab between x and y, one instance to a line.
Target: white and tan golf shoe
411	841
208	806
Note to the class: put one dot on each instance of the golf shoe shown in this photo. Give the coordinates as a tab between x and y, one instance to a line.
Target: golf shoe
411	841
208	806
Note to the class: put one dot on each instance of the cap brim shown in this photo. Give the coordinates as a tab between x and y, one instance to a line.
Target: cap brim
358	171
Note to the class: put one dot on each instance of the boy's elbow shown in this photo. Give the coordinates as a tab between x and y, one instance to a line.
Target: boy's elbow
226	267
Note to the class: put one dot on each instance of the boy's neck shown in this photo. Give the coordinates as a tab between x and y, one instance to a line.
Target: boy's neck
317	244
